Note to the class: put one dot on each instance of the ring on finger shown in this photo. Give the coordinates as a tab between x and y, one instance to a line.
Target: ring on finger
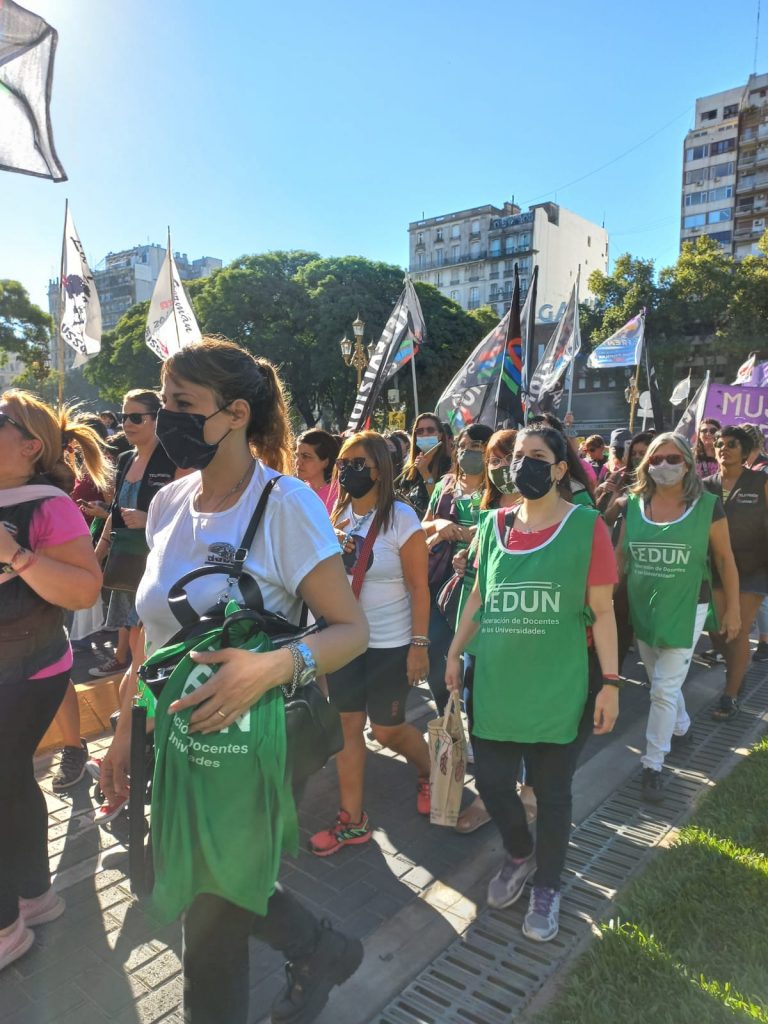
221	714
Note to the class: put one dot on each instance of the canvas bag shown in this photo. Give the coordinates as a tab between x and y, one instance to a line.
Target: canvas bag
447	761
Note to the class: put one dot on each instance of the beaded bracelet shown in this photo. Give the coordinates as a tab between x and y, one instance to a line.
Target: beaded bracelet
420	641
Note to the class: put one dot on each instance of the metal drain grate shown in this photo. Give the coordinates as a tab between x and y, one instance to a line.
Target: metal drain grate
491	973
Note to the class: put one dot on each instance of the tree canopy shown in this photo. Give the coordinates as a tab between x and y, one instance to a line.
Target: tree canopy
25	329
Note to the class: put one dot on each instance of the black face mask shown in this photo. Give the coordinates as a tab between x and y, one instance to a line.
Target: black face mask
181	434
531	477
356	482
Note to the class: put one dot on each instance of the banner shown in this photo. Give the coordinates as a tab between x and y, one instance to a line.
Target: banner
403	333
171	324
27	50
733	405
622	348
463	400
565	344
80	318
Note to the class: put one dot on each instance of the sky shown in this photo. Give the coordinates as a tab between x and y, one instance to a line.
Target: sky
248	126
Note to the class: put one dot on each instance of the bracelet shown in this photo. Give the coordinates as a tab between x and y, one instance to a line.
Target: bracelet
28	564
420	641
616	681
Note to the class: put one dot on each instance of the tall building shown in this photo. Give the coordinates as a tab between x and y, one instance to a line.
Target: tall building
470	255
725	169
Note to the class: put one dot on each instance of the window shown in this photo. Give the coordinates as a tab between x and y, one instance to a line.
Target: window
708	115
456	231
475	227
694	198
722	237
716	216
524	240
611	382
731	110
496	247
455	253
694	220
420	261
474	251
438	280
697	152
509	266
439	235
474	298
523	284
589	241
455	296
420	238
439	257
724	146
509	243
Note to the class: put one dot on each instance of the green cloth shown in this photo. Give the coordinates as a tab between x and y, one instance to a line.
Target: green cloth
666	563
531	672
467	506
222	807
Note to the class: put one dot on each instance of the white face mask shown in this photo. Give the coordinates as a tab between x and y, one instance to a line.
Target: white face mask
666	475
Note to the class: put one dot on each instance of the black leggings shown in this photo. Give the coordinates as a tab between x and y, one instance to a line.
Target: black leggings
26	711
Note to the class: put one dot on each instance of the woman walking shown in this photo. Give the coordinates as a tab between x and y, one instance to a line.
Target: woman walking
386	556
671	525
540	567
47	565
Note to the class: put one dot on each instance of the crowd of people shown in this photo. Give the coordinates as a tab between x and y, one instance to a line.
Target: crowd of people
515	568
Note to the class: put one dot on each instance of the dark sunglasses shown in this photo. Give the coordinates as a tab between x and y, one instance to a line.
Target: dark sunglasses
707	430
135	417
426	431
357	464
671	460
730	443
5	418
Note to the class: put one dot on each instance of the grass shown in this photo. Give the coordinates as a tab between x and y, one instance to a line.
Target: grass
689	943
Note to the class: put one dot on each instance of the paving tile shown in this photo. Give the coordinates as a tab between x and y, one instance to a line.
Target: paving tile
156	971
155	1006
109	989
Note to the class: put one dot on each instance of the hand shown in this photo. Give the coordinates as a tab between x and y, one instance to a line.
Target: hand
731	624
423	462
417	664
459	563
133	518
451	532
241	681
606	710
8	544
115	765
94	509
454	675
347	543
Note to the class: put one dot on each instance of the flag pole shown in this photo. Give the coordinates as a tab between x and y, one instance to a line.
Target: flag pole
413	375
572	367
60	340
173	294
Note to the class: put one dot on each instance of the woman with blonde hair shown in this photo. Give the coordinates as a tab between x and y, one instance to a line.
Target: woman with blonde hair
47	565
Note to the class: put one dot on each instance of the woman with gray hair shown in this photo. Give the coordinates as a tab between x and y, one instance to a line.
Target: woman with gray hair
671	524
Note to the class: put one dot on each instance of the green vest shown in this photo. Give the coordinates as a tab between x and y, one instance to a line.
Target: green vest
531	673
666	563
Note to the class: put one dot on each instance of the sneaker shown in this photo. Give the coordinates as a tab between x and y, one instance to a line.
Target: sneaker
423	796
110	667
683	741
343	832
107	811
71	767
42	909
761	651
470	754
712	657
651	786
309	981
505	886
15	943
93	767
542	922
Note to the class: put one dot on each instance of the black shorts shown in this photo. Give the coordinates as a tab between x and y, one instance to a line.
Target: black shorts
376	683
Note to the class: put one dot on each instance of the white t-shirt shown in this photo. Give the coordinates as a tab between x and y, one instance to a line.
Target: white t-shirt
293	537
385	598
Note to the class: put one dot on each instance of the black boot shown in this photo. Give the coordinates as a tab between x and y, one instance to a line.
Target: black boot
309	981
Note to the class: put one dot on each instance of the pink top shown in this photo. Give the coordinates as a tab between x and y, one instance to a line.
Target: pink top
328	494
56	521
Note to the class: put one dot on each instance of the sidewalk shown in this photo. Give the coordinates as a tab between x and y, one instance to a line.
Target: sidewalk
408	894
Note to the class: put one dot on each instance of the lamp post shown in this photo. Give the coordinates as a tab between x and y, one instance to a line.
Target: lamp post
632	395
353	353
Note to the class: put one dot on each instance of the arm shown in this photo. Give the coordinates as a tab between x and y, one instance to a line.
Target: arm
66	575
102	548
600	600
621	559
413	558
116	762
466	630
720	543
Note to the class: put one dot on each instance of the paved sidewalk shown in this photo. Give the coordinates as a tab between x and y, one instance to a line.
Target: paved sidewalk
407	894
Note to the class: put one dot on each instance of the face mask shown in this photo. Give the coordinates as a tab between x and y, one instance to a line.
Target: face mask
426	444
666	475
502	480
532	477
356	482
181	434
470	462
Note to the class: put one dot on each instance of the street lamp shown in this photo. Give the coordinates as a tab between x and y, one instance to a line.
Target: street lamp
354	354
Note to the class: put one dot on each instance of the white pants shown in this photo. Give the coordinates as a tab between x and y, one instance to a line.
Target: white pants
667	668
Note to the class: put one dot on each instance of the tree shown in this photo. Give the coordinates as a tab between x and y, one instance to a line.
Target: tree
26	330
124	361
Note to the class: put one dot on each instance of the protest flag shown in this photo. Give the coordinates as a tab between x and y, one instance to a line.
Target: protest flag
744	373
80	310
403	333
657	403
688	424
27	49
528	326
171	323
507	405
466	397
546	386
623	348
681	391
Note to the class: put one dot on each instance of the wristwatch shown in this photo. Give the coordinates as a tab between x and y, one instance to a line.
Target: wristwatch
304	665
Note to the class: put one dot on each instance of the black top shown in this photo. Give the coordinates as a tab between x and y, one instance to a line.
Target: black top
745	508
159	472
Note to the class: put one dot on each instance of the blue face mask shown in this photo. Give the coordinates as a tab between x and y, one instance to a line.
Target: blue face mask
426	444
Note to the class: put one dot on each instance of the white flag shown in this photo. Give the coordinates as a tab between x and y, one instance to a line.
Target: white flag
688	425
80	310
171	324
681	391
546	385
744	373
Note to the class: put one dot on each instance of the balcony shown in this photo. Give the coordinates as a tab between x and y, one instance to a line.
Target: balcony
762	155
473	304
449	261
493	273
420	247
473	235
746	162
455	280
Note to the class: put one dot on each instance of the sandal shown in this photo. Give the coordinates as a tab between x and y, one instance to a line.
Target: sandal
472	818
727	707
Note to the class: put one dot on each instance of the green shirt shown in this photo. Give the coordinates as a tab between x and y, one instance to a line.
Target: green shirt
467	506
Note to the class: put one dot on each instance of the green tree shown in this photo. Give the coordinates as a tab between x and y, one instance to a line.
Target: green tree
124	361
27	330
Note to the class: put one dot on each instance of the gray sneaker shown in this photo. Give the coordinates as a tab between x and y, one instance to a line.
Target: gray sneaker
505	887
542	922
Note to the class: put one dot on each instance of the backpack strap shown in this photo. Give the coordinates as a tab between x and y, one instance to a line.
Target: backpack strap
358	576
238	560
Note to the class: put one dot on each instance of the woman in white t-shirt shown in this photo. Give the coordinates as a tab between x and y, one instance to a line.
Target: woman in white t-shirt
395	599
224	413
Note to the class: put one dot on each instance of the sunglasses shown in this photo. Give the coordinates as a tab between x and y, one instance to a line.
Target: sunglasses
5	418
671	460
731	443
135	417
707	430
357	464
426	431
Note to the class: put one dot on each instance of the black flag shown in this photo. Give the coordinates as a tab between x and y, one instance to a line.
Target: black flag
657	402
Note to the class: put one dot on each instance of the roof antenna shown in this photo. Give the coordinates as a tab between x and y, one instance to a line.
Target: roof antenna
757	36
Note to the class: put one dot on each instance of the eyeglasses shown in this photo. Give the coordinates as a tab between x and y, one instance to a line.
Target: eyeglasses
707	430
497	461
5	418
730	443
356	464
671	460
426	431
135	417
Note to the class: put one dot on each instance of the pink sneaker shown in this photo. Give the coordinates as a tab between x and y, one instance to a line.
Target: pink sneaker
108	811
15	943
423	797
343	832
42	909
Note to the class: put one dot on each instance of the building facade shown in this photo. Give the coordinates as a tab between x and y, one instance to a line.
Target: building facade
470	255
725	169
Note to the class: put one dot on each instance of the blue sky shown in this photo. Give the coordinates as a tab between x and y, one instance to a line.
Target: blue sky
250	126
